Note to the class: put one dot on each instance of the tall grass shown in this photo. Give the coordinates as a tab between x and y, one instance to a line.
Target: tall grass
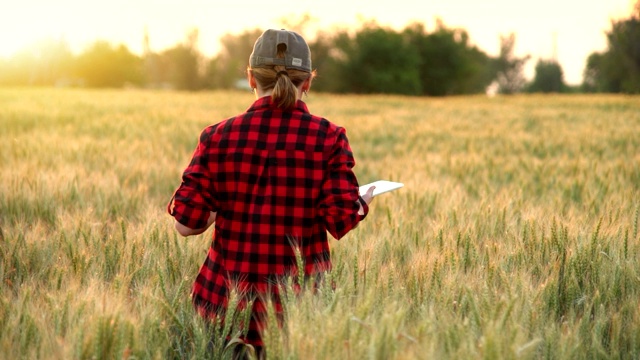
516	235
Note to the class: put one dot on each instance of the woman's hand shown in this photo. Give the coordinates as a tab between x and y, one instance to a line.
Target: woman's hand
368	198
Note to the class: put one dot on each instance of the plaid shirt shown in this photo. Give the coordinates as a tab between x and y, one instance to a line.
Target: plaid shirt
277	179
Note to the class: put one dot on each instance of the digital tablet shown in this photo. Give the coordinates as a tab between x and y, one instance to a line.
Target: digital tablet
382	186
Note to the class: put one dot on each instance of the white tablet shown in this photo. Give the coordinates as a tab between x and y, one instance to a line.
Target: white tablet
382	186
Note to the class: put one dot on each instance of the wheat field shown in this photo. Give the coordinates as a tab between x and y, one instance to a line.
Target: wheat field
515	236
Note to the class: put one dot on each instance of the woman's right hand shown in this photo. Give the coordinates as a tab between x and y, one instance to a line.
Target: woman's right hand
368	198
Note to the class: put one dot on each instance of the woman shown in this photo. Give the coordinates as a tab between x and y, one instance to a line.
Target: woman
274	180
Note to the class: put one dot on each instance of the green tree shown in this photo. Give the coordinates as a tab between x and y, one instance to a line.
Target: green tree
377	60
618	68
182	64
211	72
104	65
548	78
230	65
624	52
509	68
448	63
595	77
182	67
328	61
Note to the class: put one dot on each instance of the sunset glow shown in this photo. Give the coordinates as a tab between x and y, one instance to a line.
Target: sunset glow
569	29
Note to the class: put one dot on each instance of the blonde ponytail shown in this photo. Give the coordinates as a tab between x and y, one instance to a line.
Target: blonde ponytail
285	93
283	83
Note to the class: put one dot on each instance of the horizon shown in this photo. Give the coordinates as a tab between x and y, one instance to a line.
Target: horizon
566	30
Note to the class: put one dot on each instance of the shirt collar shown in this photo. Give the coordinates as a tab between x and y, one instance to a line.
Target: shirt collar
265	102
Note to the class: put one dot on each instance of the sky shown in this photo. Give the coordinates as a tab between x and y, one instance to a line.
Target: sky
570	30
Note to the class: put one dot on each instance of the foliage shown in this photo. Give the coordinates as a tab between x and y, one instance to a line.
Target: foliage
548	78
373	59
448	63
177	67
515	236
509	68
182	71
104	65
377	60
326	61
618	68
230	66
594	78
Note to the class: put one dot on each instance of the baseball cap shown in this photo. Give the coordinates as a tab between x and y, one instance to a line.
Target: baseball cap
265	51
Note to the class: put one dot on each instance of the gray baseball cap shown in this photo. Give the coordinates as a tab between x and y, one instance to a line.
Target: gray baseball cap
297	54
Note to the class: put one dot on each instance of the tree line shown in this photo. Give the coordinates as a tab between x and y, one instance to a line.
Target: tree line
371	59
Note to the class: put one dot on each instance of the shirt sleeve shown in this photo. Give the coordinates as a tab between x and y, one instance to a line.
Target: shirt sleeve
340	191
193	200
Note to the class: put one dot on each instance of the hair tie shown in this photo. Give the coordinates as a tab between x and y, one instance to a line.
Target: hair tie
280	73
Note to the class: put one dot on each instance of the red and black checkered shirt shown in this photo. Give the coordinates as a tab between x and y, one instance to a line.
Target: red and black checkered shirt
275	178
